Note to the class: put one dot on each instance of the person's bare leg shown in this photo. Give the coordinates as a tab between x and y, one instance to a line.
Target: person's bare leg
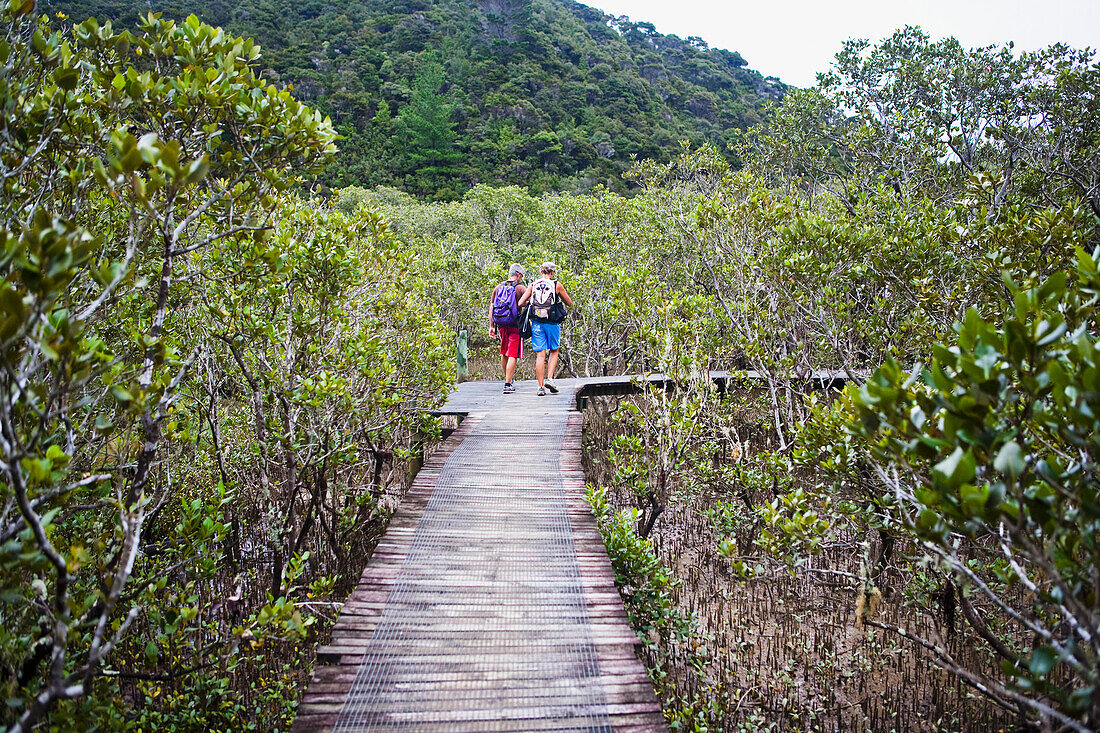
553	368
510	369
540	367
504	367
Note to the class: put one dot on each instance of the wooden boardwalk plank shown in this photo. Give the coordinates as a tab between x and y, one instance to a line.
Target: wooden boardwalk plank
490	604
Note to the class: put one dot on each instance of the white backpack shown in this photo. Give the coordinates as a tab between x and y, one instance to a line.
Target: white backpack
544	293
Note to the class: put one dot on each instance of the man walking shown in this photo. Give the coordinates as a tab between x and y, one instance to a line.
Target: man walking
548	300
504	322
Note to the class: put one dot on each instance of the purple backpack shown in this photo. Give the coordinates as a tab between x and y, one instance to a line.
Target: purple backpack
505	310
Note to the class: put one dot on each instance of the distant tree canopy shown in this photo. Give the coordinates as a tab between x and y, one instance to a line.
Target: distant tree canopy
549	94
433	159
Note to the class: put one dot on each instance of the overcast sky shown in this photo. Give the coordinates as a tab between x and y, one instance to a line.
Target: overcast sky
795	39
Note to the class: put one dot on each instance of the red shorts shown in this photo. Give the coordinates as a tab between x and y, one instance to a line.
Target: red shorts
510	342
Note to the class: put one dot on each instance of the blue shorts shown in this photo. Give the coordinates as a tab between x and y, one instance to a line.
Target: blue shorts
545	336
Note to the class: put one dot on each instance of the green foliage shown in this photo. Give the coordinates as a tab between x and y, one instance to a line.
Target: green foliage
648	589
197	369
430	135
200	702
921	117
645	582
917	183
792	526
995	445
669	429
438	97
325	378
211	386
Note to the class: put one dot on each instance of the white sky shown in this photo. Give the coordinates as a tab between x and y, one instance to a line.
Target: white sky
795	39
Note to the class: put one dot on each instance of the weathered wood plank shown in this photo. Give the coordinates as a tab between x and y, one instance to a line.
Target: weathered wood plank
490	603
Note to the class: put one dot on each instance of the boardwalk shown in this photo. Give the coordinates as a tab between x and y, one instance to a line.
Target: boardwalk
488	606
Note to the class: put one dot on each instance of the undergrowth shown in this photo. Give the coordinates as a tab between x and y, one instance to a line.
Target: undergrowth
646	586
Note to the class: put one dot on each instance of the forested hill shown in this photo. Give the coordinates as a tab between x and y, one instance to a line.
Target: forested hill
435	96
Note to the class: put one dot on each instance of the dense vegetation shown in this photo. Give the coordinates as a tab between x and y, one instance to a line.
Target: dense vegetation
208	403
921	194
435	97
938	520
203	385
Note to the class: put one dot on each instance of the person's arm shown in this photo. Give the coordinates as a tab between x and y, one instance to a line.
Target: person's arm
525	297
564	295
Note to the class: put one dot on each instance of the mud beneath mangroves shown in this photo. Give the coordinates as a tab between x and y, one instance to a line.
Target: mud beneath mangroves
783	651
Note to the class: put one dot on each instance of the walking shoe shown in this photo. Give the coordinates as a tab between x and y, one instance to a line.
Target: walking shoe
552	388
542	392
508	388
